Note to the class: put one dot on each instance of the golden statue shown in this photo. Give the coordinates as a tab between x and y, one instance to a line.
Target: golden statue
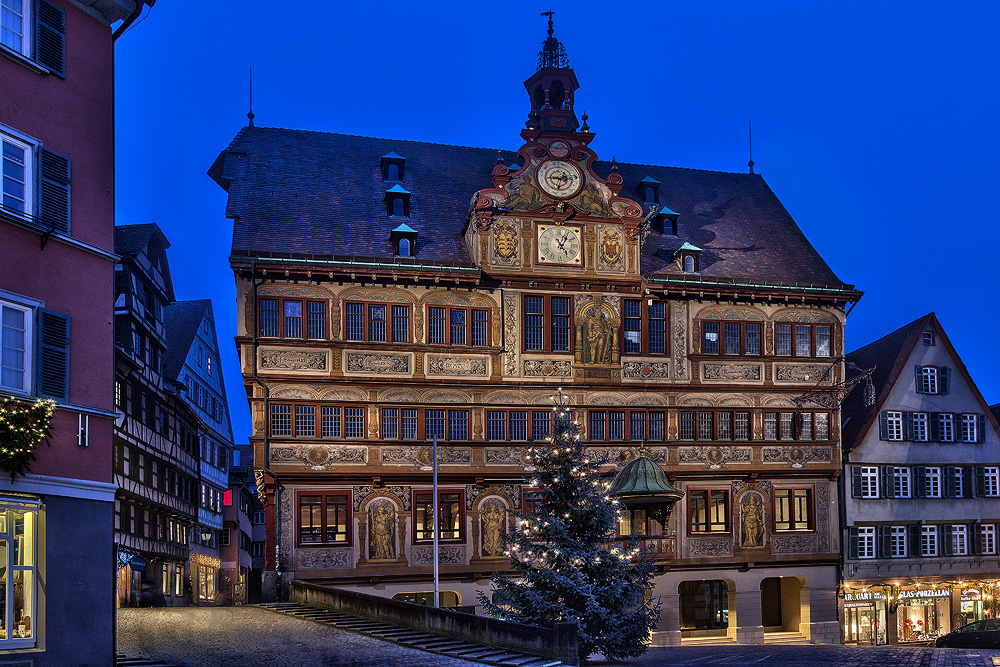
383	519
753	522
598	333
493	517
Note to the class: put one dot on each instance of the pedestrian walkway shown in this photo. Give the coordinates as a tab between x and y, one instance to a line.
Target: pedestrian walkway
425	641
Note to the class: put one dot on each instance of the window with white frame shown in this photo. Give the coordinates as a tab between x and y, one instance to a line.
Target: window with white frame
959	482
928	380
928	338
991	481
988	538
959	540
15	347
932	482
15	25
19	538
866	542
869	482
18	166
897	542
920	427
929	540
946	427
970	428
901	482
894	425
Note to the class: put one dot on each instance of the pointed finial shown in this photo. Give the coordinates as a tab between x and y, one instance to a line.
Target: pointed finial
250	115
614	165
499	156
549	14
584	127
750	134
553	53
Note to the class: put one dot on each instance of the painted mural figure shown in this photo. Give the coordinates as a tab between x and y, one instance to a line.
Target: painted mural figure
493	515
598	337
753	522
382	520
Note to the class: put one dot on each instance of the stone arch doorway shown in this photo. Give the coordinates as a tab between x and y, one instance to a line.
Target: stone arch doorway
705	606
784	604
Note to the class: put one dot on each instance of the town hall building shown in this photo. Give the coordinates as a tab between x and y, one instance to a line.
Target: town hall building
394	293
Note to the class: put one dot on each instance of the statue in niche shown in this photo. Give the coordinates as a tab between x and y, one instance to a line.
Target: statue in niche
383	521
493	517
753	522
599	333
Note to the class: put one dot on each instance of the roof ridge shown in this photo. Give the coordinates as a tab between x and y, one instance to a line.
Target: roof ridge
907	326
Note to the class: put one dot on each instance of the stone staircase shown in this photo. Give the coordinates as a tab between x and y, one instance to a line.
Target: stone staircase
425	641
785	638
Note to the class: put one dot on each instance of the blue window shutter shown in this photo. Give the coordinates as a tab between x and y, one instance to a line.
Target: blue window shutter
935	427
975	538
53	354
908	426
949	481
883	425
856	482
852	542
51	34
920	379
980	490
54	190
888	479
913	533
947	548
943	380
981	429
884	541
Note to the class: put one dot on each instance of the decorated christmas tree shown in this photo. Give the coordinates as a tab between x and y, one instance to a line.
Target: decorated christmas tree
566	568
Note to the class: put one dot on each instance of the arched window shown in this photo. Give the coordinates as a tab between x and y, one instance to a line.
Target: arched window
397	206
650	194
689	263
392	172
404	248
539	97
557	95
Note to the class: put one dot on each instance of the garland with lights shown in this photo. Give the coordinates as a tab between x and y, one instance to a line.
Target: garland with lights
566	568
989	591
22	426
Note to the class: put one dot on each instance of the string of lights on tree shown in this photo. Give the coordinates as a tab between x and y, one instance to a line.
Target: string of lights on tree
23	425
560	550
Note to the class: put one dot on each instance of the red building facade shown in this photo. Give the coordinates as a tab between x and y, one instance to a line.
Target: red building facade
56	279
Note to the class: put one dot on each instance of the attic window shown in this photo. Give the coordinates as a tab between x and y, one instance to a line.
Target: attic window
397	201
392	167
649	190
688	257
928	338
690	263
404	241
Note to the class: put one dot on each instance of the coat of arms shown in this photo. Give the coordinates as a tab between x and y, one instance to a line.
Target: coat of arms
504	241
611	248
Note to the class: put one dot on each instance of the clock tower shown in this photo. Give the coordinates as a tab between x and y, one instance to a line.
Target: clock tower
553	217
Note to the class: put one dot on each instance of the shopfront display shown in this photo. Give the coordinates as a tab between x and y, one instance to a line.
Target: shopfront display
971	607
923	615
864	618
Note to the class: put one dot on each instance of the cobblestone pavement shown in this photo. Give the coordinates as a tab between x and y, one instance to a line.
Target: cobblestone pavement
252	637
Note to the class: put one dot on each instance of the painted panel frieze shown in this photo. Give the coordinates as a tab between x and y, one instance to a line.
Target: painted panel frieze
646	370
446	365
377	363
283	360
731	372
803	373
793	456
319	457
714	458
424	456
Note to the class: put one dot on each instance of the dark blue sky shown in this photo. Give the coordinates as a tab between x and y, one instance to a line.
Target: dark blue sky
875	123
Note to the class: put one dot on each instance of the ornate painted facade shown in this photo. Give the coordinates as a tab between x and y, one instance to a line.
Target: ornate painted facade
394	291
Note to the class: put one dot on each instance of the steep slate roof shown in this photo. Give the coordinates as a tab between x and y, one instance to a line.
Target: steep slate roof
131	240
182	320
296	191
889	355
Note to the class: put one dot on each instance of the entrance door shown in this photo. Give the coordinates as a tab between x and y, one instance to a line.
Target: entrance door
781	604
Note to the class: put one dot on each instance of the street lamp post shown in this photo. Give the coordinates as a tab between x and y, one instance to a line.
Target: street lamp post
435	508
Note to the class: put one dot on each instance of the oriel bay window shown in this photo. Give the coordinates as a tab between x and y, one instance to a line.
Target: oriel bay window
324	517
793	509
377	322
736	338
291	318
458	326
708	510
803	340
451	517
645	327
547	324
312	420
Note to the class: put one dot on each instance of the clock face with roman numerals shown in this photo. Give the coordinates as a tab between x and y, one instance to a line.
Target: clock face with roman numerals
559	178
560	244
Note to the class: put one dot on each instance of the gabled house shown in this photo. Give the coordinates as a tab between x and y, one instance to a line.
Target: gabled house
921	493
193	364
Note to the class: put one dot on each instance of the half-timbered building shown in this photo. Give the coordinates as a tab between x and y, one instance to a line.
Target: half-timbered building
393	293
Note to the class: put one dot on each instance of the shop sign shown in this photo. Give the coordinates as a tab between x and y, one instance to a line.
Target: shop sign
858	604
929	593
137	563
865	595
971	594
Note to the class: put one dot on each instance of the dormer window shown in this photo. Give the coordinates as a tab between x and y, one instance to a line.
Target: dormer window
392	167
928	338
649	190
404	241
397	201
688	257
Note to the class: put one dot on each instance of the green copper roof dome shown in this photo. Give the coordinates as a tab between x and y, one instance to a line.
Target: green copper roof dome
643	479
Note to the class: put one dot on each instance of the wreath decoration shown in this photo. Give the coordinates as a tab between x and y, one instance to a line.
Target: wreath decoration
22	426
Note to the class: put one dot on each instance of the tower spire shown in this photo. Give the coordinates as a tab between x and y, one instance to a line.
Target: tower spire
250	112
553	53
